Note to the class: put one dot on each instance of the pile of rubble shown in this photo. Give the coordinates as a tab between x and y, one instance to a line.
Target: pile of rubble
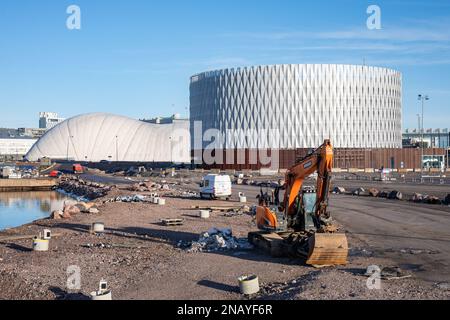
429	199
86	189
130	198
216	239
72	208
250	182
394	195
150	186
372	192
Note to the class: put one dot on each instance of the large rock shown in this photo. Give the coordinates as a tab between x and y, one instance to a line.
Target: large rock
83	207
417	197
431	200
56	215
66	215
383	194
374	192
358	191
71	210
447	199
94	210
339	190
395	195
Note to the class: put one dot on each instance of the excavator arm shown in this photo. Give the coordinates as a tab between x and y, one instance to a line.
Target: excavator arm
320	161
289	219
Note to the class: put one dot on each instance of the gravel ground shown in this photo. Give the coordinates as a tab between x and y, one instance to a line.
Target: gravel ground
140	260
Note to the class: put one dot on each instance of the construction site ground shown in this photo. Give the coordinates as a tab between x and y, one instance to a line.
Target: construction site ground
140	258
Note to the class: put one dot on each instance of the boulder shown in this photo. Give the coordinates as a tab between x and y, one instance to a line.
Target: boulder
383	194
94	210
431	200
71	210
447	199
56	215
417	197
83	207
66	215
358	191
339	190
395	195
374	192
68	203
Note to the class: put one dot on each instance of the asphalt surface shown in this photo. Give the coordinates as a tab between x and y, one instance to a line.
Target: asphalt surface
415	236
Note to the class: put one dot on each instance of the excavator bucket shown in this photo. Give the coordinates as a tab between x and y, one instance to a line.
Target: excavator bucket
328	249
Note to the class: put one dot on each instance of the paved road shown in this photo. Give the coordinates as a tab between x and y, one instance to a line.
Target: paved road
390	226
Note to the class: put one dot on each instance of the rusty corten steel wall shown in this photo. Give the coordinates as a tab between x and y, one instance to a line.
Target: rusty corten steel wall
343	158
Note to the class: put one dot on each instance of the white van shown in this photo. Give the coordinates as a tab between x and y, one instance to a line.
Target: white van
215	186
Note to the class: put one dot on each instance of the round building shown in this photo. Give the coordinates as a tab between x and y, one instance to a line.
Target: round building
357	107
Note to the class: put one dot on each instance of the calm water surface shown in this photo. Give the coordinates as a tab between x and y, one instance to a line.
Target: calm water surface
18	208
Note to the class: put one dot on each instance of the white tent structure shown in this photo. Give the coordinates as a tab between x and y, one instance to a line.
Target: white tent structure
101	136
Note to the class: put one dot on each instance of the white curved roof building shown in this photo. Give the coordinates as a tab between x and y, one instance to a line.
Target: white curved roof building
101	136
355	106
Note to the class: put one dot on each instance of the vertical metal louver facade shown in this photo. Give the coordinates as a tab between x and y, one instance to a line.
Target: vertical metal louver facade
355	106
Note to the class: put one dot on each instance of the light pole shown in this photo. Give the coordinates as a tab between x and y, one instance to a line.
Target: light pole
422	98
418	119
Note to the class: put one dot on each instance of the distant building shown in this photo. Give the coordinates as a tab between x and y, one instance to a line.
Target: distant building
166	120
437	138
48	120
14	148
15	143
35	133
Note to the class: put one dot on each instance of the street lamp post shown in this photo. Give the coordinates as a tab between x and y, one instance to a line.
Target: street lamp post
422	98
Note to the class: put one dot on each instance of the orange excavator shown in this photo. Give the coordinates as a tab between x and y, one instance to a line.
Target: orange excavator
301	224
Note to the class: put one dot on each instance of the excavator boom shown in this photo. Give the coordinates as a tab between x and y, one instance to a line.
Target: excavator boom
319	238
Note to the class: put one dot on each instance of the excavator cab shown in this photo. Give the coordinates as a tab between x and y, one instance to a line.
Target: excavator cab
305	205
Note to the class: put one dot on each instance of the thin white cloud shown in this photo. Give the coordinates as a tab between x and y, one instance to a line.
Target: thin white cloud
404	34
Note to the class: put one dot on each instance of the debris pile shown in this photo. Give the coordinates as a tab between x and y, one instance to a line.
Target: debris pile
359	192
339	190
189	194
72	208
374	192
429	199
395	195
447	200
130	198
216	239
240	211
85	189
250	182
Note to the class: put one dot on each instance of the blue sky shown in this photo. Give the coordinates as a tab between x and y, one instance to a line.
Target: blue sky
135	57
